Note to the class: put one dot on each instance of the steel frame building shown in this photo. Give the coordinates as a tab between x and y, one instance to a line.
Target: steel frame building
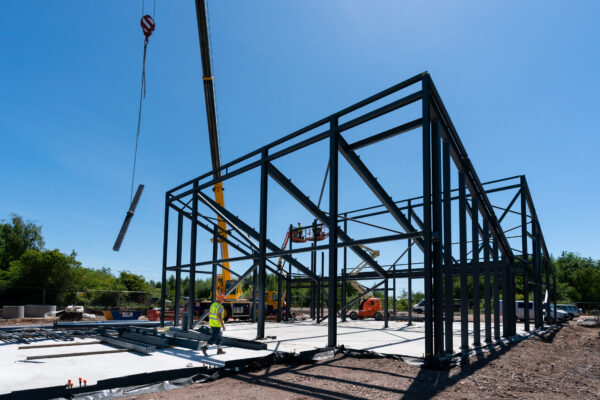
425	222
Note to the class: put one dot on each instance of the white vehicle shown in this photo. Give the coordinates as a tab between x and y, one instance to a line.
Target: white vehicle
520	312
419	307
570	309
561	315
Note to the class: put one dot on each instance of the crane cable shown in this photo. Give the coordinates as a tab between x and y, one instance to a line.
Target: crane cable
148	26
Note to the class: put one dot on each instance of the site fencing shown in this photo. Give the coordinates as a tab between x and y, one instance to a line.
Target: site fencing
91	299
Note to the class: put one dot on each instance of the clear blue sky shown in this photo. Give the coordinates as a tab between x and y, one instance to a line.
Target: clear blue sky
520	80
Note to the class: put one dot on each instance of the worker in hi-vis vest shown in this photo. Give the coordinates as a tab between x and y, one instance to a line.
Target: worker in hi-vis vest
215	321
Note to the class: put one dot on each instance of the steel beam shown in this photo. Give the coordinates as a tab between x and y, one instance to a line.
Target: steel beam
233	220
127	344
370	180
297	194
409	126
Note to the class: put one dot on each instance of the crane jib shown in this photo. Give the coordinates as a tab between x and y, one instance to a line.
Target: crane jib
213	135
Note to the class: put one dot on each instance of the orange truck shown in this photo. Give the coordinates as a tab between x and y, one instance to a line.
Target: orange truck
368	308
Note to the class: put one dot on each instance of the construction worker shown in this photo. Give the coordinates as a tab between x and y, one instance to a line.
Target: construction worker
298	231
215	321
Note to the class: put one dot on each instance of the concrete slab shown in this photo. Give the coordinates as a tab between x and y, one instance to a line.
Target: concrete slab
18	374
299	336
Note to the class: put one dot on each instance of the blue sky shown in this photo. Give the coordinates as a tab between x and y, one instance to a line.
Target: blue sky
520	80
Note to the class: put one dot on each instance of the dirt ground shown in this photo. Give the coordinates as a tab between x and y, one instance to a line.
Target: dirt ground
557	365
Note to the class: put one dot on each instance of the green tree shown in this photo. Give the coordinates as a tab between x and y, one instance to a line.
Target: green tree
16	237
36	272
578	278
133	282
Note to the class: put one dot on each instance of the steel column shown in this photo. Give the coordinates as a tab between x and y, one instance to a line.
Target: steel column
409	249
279	297
464	299
333	234
214	266
394	292
178	272
438	283
525	257
254	293
322	287
538	272
555	290
536	297
262	246
496	291
487	307
288	286
426	147
547	289
193	247
163	289
313	269
386	304
344	274
448	274
475	261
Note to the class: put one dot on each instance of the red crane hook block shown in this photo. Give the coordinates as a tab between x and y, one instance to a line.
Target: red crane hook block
148	25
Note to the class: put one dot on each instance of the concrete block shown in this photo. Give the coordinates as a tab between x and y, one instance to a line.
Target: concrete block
13	312
38	310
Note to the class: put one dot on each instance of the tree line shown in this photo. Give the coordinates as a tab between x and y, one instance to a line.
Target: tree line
31	274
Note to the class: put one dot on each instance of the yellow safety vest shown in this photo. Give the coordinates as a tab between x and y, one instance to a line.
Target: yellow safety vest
213	315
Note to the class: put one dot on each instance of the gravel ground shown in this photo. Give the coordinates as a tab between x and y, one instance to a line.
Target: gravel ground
563	364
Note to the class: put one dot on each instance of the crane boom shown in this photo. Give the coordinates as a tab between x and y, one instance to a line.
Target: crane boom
213	135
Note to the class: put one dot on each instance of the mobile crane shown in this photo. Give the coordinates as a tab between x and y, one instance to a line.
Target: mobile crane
234	305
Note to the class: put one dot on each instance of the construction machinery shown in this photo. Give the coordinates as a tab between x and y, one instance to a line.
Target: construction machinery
302	235
234	305
369	307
